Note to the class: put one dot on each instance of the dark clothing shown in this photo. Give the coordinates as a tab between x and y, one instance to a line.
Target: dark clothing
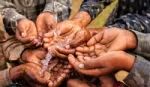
134	15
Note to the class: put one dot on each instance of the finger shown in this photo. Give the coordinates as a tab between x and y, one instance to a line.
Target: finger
59	80
87	58
62	29
40	28
79	54
23	40
73	61
37	78
50	84
49	34
51	24
92	54
91	64
80	58
81	37
86	55
55	53
47	75
85	49
95	39
47	40
92	72
82	49
65	51
97	72
36	42
66	71
21	29
46	45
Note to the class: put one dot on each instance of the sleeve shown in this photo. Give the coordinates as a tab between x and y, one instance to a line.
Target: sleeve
140	26
5	78
12	49
62	8
139	74
10	16
94	7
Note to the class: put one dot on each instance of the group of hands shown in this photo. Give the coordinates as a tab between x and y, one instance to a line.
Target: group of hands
90	52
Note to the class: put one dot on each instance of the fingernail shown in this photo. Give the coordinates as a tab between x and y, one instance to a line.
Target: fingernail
23	34
81	66
70	55
67	46
57	46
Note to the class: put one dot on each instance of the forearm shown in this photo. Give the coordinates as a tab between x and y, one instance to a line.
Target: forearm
139	74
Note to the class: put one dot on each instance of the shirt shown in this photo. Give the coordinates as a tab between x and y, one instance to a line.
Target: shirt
134	15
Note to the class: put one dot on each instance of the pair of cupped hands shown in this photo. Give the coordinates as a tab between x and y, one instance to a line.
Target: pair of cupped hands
90	52
40	36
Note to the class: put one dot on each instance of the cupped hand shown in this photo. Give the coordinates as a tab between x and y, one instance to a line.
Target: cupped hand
64	28
26	33
30	71
105	64
114	39
45	22
33	56
63	46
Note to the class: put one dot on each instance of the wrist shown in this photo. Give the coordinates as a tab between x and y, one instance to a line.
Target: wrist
131	40
82	19
16	72
128	62
22	56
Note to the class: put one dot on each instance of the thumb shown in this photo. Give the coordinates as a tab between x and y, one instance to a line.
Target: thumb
22	32
81	37
50	34
22	28
73	61
90	64
95	39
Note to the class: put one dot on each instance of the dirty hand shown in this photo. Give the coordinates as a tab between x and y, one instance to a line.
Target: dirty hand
114	39
104	64
45	22
26	32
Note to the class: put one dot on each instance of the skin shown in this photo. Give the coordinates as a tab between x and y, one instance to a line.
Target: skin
80	21
85	53
31	71
105	64
30	34
45	22
33	56
74	39
76	83
57	69
67	28
114	39
26	33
